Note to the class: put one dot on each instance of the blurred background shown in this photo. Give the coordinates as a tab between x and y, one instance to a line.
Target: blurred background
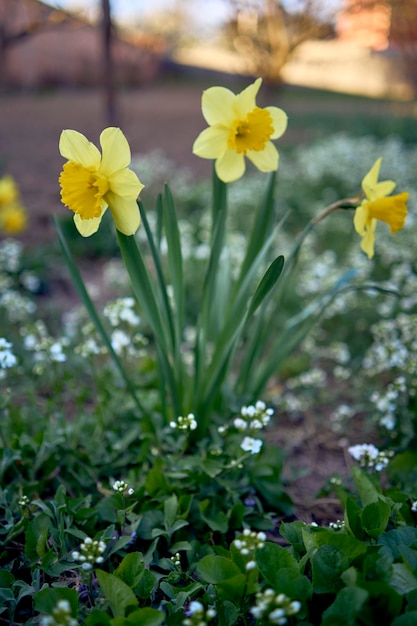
85	64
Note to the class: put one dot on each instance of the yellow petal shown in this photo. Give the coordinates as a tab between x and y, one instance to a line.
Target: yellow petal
384	188
246	100
125	213
217	106
125	184
116	151
370	180
87	227
74	146
361	217
279	121
368	240
392	210
211	142
230	166
265	160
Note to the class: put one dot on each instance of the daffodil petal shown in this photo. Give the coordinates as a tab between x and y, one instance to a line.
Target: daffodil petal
360	218
279	121
265	160
87	227
211	142
74	146
368	240
125	184
217	106
116	151
384	188
230	166
246	100
125	212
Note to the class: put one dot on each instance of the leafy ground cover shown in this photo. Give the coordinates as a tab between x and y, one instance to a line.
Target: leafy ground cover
112	519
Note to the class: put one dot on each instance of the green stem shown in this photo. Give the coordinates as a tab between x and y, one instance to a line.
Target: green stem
95	318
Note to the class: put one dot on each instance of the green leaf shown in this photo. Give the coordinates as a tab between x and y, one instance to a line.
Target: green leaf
328	564
227	613
271	559
117	593
353	518
351	548
375	518
131	569
217	520
403	580
268	281
173	238
36	537
45	601
170	510
346	608
214	569
393	539
368	492
6	578
98	618
378	567
408	619
92	312
145	617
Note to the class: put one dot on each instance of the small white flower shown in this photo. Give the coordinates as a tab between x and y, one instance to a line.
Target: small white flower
251	445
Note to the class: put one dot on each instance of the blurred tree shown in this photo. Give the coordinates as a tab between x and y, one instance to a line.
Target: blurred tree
108	65
20	19
266	32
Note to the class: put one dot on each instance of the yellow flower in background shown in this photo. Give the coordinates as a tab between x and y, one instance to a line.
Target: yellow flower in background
90	182
238	129
378	205
13	218
9	191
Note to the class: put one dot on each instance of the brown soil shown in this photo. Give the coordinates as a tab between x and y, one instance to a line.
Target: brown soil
168	118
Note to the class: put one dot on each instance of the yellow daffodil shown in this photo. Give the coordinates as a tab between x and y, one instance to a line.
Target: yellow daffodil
13	219
90	182
239	128
378	205
9	191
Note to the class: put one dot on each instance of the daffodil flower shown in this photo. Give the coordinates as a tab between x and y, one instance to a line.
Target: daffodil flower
238	129
90	182
378	205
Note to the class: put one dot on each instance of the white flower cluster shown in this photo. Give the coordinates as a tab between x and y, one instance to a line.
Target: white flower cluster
394	346
388	402
369	456
11	255
122	310
252	419
337	525
122	486
185	423
61	615
197	615
7	358
274	608
90	552
45	349
176	559
247	544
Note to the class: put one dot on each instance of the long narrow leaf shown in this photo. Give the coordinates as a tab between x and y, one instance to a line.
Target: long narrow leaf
163	294
262	225
144	293
92	312
268	281
173	238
